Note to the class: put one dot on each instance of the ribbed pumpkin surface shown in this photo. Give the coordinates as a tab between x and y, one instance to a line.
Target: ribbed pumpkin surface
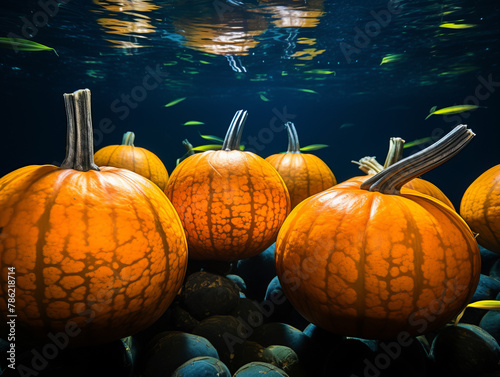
428	188
304	174
102	249
231	203
136	159
372	265
480	207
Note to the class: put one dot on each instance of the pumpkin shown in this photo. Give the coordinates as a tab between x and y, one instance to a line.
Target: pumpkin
98	254
371	166
480	207
231	203
371	260
139	160
304	174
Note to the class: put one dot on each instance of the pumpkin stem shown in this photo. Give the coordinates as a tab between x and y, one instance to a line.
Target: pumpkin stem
293	138
369	165
128	138
395	151
391	179
79	140
234	132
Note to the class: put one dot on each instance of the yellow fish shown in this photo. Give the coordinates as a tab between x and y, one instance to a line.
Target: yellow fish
175	101
391	58
451	25
313	147
452	110
193	123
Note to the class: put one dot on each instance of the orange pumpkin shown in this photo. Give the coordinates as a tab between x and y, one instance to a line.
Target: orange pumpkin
98	254
363	259
136	159
480	207
371	166
231	203
304	174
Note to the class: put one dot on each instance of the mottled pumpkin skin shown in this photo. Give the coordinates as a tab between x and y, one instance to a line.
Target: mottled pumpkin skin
136	159
428	188
480	207
101	249
372	265
304	174
231	204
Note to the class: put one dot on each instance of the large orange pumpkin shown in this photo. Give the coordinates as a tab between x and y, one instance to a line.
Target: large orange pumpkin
137	159
480	207
98	254
231	203
366	260
304	174
371	166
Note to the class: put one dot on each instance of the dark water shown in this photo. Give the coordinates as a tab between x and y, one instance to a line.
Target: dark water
136	56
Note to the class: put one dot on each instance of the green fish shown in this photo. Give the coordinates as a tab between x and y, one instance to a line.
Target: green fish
175	101
313	147
452	110
212	138
208	147
308	91
391	58
418	142
20	44
263	97
451	25
212	147
193	123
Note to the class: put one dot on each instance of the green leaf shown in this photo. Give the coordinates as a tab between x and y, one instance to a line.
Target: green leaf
20	44
313	147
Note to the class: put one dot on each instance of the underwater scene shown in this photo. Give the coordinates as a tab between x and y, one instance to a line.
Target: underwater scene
245	188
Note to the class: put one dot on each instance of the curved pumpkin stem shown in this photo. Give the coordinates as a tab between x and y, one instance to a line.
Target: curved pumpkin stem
234	132
395	151
390	180
128	138
369	165
79	140
293	138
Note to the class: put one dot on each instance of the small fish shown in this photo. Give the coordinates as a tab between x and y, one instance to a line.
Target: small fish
212	138
391	58
452	109
263	97
193	123
322	72
418	142
308	91
451	25
175	101
313	147
20	44
208	147
189	152
345	125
